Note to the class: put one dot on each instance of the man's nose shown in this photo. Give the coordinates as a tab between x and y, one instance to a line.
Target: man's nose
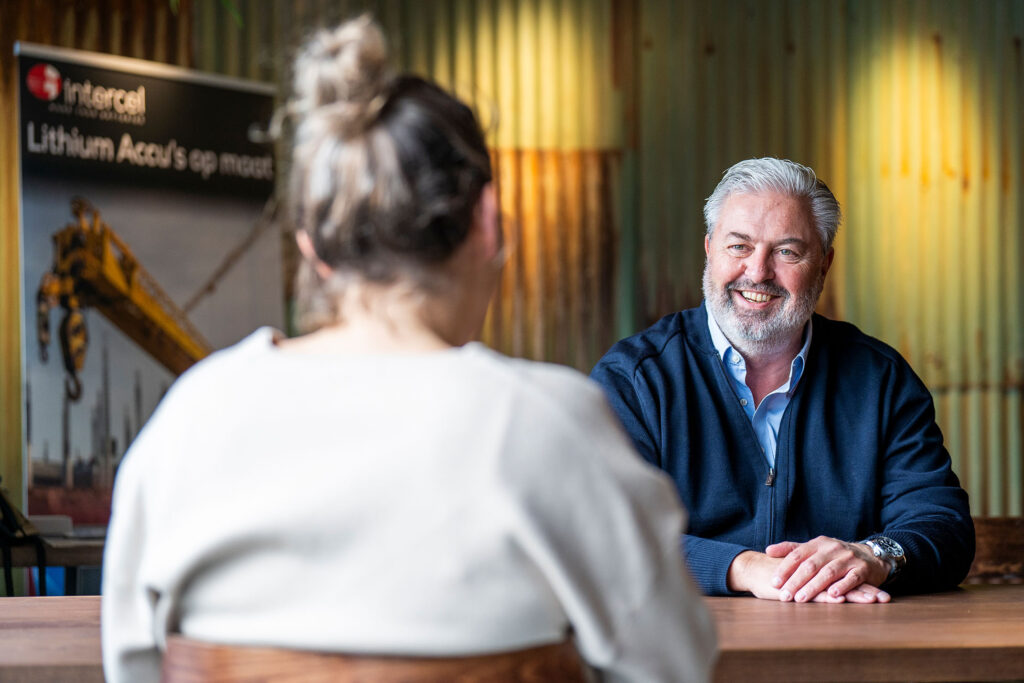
759	266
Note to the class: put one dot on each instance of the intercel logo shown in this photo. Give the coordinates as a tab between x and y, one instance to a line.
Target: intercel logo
44	82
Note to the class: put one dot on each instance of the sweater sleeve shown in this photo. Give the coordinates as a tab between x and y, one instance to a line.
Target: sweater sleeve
603	529
136	612
130	651
709	562
923	507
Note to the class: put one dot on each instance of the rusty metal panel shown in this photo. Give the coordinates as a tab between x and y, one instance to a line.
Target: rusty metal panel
147	30
540	74
545	69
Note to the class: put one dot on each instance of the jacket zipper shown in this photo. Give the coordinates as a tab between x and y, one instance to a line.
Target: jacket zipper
770	481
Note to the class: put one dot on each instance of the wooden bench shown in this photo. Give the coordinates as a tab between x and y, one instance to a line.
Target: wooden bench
999	557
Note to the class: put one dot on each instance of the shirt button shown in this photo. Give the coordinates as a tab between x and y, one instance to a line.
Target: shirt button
735	361
743	401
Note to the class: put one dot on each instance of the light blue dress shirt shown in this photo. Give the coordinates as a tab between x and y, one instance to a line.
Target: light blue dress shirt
767	417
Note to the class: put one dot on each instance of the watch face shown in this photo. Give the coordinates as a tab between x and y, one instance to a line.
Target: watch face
889	546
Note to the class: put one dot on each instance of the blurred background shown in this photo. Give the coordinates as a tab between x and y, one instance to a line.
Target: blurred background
611	121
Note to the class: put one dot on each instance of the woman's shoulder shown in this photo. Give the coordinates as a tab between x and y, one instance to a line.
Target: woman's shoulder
553	411
562	432
536	380
243	353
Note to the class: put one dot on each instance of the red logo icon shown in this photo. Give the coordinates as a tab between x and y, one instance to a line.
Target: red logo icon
44	82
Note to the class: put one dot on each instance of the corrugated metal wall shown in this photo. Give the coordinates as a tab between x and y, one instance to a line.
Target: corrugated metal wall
540	74
938	94
912	112
148	30
616	120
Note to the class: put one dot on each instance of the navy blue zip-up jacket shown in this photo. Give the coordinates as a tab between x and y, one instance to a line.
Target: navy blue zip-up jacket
859	452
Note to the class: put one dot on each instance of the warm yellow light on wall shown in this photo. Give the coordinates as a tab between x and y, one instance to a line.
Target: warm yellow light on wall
935	237
544	68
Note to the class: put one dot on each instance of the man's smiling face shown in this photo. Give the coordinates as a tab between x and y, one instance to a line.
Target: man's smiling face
765	270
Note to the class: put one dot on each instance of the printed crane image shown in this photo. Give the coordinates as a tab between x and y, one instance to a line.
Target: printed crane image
94	268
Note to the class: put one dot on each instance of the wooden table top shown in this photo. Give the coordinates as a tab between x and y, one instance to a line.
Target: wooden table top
46	640
975	633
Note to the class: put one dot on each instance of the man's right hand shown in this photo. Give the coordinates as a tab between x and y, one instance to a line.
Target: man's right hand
752	572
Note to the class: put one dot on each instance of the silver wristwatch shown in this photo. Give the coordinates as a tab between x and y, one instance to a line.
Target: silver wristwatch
888	550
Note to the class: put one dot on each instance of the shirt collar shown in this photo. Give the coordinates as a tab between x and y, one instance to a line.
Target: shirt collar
722	344
724	348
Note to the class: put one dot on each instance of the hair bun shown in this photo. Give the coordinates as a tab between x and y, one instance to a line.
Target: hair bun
344	74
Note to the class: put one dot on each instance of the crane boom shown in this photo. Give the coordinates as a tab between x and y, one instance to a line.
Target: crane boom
93	267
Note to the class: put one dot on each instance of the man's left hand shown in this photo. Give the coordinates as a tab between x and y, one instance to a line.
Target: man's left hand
828	564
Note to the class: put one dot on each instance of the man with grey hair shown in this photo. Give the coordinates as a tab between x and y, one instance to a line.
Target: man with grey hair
806	451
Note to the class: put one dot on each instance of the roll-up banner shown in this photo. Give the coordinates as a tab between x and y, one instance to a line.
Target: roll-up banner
145	247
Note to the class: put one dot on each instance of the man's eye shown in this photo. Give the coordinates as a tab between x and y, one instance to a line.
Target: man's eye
738	247
788	253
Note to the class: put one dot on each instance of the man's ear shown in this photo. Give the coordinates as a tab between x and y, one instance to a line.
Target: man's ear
707	245
828	262
305	244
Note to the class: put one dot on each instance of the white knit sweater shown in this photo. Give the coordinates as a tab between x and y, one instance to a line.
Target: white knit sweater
445	503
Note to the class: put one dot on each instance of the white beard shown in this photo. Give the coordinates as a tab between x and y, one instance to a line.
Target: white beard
760	333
